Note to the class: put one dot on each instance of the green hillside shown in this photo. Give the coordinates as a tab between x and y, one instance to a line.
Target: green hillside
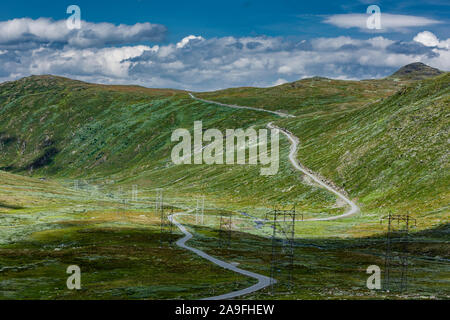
389	154
70	152
389	151
308	96
59	128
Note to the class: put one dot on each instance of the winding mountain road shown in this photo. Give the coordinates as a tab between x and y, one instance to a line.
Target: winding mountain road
278	113
354	209
263	281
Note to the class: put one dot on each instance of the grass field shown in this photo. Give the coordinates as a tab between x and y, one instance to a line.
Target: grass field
70	153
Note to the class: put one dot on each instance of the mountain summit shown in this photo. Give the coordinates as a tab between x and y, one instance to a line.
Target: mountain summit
416	71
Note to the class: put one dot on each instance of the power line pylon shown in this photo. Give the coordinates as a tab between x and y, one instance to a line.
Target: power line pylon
134	193
171	225
200	211
159	210
121	195
397	256
166	226
225	230
283	240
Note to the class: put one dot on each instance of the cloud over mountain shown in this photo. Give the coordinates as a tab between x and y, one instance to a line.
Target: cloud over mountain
106	53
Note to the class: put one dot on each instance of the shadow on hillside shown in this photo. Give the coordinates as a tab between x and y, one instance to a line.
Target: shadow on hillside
44	160
9	206
427	243
6	140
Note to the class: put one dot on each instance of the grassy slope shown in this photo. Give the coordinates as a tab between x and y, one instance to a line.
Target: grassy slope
123	134
313	96
390	154
387	153
59	126
64	128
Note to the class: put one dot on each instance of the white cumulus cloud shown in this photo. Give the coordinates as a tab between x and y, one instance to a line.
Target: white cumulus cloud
429	39
187	39
26	32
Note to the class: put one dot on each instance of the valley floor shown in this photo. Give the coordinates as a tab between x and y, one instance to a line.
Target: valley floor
45	226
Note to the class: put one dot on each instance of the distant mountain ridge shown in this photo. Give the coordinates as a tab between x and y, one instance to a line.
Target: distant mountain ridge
416	71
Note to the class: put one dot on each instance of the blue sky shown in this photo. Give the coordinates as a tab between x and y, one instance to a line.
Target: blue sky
230	43
232	17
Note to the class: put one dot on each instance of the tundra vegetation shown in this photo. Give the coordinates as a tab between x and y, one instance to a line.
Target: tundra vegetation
70	153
